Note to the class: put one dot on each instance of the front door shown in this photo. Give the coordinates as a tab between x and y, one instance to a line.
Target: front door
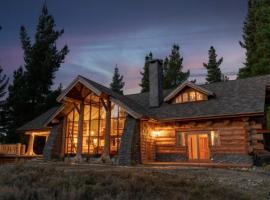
198	148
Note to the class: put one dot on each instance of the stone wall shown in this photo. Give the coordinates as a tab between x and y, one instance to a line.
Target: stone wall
52	147
172	157
232	158
129	152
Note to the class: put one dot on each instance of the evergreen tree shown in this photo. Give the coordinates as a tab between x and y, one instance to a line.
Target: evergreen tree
213	67
117	82
172	69
145	73
3	85
30	94
256	39
17	106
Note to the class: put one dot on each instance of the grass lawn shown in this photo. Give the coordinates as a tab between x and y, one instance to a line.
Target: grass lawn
63	181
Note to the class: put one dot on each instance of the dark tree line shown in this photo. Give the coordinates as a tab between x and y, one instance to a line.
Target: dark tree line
31	93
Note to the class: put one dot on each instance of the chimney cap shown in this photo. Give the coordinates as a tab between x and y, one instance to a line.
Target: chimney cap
160	61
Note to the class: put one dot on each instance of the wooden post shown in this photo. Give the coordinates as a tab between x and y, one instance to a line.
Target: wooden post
106	153
80	133
62	154
18	146
30	150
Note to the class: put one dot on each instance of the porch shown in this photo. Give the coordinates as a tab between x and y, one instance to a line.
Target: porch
209	143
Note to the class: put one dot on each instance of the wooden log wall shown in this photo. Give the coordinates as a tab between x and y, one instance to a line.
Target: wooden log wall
237	136
147	142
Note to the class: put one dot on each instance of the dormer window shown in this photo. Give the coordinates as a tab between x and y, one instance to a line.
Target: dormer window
188	92
188	96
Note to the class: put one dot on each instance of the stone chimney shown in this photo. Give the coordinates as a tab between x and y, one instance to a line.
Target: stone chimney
155	83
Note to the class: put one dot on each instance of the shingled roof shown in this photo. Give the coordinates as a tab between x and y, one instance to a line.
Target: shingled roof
39	123
232	98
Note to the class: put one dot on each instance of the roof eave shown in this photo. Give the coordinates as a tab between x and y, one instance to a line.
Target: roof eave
213	117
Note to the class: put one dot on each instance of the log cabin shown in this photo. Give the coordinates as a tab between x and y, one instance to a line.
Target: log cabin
222	123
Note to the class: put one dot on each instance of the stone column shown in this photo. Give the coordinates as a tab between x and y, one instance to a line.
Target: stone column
80	133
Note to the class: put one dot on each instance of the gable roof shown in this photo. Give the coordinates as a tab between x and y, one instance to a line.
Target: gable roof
40	122
232	98
131	107
244	97
185	84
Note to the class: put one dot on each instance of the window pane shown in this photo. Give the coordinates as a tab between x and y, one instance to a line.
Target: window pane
180	139
215	138
185	97
192	96
199	96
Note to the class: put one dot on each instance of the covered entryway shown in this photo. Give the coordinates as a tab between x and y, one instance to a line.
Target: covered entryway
198	147
36	142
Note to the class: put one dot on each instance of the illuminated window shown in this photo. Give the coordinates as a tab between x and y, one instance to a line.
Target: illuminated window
180	139
178	99
185	97
94	127
199	96
192	96
215	138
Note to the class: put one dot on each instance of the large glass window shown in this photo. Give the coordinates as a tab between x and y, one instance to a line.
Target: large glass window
94	127
72	132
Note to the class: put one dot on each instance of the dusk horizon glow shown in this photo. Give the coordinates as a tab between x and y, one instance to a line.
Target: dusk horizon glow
102	34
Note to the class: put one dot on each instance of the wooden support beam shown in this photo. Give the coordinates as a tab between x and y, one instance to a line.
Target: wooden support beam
62	154
106	153
76	107
80	133
30	147
71	100
104	104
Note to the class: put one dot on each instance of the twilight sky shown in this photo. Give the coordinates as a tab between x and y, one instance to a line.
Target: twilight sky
103	33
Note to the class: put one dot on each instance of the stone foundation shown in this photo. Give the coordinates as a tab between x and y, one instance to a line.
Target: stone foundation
160	157
232	158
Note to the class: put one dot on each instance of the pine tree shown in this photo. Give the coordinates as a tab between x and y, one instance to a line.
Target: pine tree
172	69
256	39
213	67
30	94
145	73
3	85
117	84
17	105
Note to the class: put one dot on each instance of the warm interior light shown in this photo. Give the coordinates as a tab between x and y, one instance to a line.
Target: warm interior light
155	133
212	138
92	133
95	141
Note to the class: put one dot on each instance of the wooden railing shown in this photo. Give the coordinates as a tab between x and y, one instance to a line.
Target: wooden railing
12	149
